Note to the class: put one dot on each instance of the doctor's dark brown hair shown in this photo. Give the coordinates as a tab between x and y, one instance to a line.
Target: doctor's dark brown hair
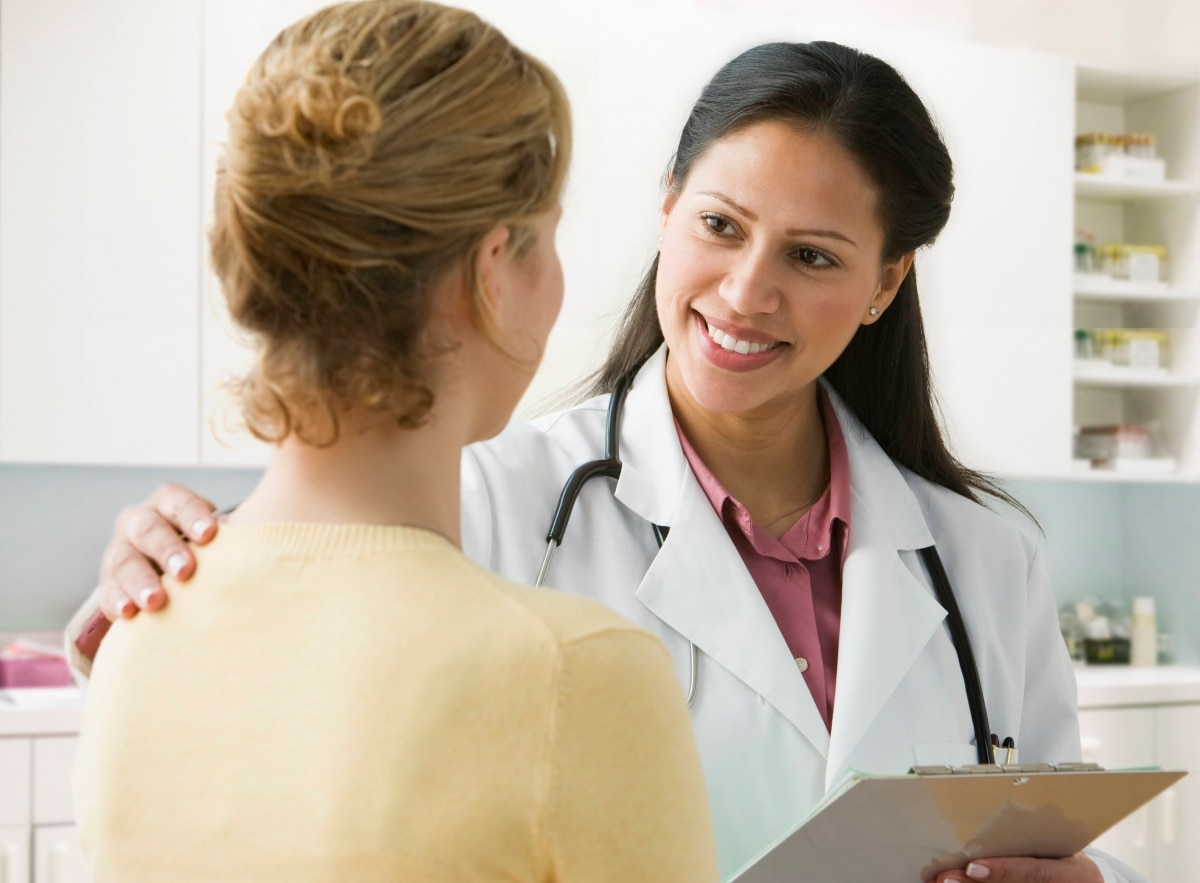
371	147
864	103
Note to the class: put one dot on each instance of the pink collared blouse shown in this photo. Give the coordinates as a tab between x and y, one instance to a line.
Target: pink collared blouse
799	574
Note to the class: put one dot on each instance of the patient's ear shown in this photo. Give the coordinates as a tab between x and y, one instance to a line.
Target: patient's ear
492	261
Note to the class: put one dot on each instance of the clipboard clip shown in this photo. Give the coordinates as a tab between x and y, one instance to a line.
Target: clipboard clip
987	768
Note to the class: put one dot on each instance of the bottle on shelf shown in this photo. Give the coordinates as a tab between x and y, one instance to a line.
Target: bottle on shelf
1143	650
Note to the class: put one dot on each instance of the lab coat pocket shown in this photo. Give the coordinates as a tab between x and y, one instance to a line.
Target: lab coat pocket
944	753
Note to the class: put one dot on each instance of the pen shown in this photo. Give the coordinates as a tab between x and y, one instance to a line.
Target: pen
1011	746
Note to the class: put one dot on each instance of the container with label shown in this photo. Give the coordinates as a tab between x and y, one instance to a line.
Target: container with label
1143	633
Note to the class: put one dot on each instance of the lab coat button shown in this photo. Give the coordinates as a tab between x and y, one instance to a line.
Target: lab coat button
802	664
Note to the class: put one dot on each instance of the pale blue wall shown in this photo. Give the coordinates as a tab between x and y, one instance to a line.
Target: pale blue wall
1122	540
55	520
1100	539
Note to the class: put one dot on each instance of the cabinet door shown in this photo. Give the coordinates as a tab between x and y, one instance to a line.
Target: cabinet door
53	767
995	287
16	772
14	855
1123	737
99	230
57	857
1177	823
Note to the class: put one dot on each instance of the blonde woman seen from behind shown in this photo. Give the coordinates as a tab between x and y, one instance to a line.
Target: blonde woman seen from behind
345	696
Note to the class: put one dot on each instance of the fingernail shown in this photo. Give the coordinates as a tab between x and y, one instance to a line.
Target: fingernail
977	872
201	527
144	597
175	563
128	608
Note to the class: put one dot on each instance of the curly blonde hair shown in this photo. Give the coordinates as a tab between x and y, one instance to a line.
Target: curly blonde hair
371	147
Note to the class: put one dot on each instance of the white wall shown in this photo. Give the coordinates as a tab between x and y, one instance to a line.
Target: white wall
664	50
54	521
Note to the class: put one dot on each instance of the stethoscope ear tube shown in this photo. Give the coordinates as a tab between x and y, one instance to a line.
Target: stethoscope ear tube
962	646
609	467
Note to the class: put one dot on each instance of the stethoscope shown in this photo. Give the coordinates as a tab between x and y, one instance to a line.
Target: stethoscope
610	467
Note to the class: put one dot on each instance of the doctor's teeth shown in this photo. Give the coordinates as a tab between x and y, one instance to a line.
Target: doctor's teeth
732	344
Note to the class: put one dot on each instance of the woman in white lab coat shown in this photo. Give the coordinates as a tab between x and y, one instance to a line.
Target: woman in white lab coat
780	400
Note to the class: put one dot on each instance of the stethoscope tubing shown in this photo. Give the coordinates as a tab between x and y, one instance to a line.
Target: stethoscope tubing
610	467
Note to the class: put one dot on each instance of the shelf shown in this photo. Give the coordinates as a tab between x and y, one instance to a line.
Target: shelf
1102	476
1109	376
1088	186
1107	86
1131	292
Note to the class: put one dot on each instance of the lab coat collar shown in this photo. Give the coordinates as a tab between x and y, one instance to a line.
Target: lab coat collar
700	587
698	583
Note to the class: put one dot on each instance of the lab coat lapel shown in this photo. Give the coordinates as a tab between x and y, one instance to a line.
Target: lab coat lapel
698	584
888	614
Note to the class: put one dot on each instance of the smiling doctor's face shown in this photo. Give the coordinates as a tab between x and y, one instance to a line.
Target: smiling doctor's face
771	259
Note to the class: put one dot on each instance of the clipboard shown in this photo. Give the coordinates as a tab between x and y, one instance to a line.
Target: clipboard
894	829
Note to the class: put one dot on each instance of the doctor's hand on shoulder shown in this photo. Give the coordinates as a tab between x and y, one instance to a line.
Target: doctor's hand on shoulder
149	539
1076	869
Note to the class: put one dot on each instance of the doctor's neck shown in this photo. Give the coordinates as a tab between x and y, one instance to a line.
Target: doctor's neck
774	460
374	473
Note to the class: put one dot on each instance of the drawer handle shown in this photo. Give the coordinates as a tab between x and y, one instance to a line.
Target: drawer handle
58	852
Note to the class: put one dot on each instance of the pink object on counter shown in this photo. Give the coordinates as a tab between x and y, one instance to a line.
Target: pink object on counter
21	668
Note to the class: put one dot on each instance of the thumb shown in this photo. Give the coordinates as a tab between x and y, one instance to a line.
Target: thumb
1075	869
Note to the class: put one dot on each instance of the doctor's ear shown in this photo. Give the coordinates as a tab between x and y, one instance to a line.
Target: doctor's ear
893	275
670	197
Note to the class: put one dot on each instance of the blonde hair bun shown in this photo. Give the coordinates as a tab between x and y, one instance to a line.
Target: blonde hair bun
371	147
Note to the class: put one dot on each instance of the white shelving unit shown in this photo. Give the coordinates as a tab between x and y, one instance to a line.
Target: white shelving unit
1150	213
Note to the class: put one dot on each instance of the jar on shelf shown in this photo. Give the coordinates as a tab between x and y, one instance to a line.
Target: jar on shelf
1145	348
1142	145
1085	263
1145	264
1104	445
1085	346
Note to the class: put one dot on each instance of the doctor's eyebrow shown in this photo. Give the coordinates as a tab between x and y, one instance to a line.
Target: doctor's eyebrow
794	231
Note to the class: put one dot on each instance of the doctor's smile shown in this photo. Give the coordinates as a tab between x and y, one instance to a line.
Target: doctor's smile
736	349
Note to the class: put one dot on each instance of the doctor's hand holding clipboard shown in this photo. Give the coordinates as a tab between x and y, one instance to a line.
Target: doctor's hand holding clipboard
774	498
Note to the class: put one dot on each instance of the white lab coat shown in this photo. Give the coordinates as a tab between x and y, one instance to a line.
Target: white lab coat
900	699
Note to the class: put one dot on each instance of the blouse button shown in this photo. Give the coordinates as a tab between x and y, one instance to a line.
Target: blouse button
802	664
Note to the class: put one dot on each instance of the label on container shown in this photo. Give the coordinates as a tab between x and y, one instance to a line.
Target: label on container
1143	267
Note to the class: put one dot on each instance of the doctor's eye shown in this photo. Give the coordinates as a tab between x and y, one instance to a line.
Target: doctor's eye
814	257
718	225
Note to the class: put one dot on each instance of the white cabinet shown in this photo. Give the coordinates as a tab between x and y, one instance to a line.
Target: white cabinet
1117	738
38	839
16	773
1179	846
1149	718
1146	213
99	230
992	285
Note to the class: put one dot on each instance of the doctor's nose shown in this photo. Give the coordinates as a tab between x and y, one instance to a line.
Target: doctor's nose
749	287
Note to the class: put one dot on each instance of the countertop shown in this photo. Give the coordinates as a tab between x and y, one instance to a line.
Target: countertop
1106	686
51	711
58	711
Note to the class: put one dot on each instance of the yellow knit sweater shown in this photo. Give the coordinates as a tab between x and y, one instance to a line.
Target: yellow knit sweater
362	703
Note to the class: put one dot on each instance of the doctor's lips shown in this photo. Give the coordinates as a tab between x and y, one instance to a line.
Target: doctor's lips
733	344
